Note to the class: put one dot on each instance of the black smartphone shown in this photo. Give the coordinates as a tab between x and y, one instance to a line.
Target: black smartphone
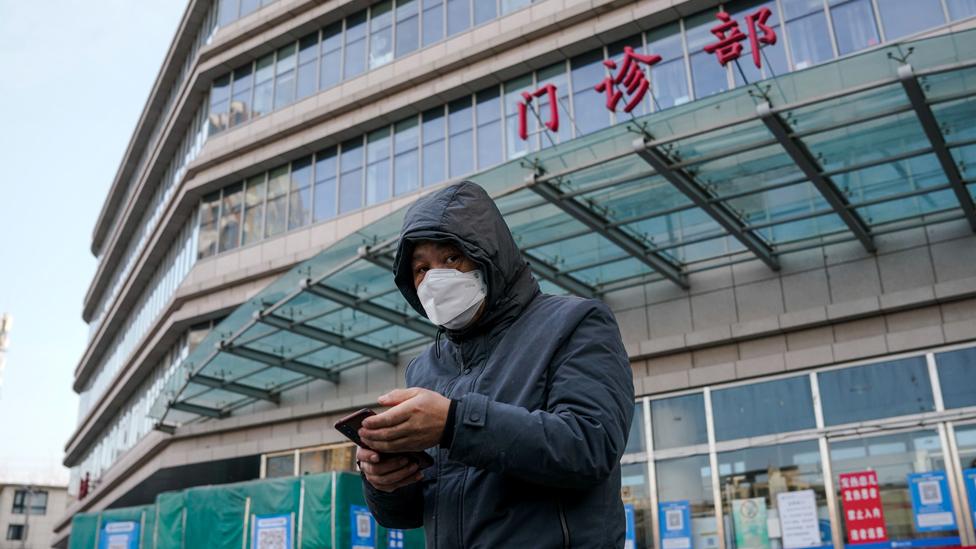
349	426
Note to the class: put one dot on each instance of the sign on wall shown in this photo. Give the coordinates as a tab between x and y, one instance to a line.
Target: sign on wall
363	529
931	504
271	532
119	535
750	522
863	513
675	520
798	519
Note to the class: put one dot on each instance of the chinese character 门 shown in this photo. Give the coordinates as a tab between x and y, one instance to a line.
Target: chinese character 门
728	47
523	107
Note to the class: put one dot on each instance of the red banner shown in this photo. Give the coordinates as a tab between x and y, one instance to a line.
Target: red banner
863	514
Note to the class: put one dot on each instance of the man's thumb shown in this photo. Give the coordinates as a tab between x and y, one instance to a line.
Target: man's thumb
396	396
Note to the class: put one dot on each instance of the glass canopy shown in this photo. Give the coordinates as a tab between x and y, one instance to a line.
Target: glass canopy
846	151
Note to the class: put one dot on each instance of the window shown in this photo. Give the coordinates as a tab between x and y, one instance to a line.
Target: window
763	408
16	532
903	17
635	440
772	56
556	75
209	217
489	114
513	96
226	12
407	26
689	479
381	34
669	80
340	458
678	421
277	209
219	104
433	21
461	145
20	502
508	6
634	493
285	77
307	66
230	218
484	10
38	503
806	22
35	499
586	72
300	199
875	391
240	104
707	75
280	466
433	131
959	9
406	162
254	209
458	16
325	185
615	52
263	85
351	176
378	166
249	6
854	25
355	58
331	61
957	377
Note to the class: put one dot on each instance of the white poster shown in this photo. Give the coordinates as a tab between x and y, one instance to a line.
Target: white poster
798	519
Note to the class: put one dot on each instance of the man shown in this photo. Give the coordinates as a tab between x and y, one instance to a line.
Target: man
525	406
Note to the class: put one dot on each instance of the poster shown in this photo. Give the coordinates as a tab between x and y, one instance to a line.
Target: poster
363	530
271	531
931	503
394	539
799	523
749	521
969	478
119	535
675	519
863	513
630	534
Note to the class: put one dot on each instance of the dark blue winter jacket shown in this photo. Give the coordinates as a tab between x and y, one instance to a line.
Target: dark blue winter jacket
545	399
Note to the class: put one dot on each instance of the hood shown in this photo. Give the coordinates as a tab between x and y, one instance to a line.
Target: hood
465	215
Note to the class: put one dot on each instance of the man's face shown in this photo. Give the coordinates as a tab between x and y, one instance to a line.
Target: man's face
429	255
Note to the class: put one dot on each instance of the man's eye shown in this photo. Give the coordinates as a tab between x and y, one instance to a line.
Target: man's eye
453	259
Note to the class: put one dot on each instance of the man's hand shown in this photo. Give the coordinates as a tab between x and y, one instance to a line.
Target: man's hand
414	423
387	473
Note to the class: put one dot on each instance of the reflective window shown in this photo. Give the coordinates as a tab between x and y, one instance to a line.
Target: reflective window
406	162
873	391
959	9
689	480
635	439
263	85
219	104
669	79
513	96
587	71
433	21
307	66
381	34
209	218
489	114
763	408
458	16
280	466
254	192
300	197
678	421
461	145
636	498
509	6
758	481
903	17
249	6
484	10
330	64
806	22
355	58
557	76
227	12
285	77
854	25
230	217
277	209
433	132
325	185
615	51
351	176
957	377
407	26
707	75
240	104
378	166
772	57
892	458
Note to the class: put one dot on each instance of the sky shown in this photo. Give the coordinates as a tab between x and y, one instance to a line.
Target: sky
74	77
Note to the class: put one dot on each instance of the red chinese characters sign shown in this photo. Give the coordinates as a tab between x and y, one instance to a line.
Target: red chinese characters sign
728	48
863	513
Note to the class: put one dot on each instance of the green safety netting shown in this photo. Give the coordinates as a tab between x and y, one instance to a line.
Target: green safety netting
317	512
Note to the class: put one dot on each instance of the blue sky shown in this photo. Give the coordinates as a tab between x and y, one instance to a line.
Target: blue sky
75	76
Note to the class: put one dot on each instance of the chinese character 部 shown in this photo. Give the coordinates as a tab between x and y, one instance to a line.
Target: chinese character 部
523	107
728	48
631	75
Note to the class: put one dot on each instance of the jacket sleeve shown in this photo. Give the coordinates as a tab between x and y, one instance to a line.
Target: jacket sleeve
402	508
579	439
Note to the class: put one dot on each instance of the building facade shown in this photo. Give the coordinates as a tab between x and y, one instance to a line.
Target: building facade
28	514
773	197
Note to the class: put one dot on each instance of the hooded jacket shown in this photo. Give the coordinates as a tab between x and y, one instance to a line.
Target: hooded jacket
544	395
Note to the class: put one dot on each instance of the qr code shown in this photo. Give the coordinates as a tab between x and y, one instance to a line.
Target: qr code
929	492
271	538
364	526
675	519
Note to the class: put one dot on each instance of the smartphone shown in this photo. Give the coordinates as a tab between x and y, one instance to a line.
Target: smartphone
349	426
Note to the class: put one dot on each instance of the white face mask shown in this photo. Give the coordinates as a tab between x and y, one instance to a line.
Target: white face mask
451	298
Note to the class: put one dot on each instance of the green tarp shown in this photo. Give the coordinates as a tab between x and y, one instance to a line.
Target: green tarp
317	508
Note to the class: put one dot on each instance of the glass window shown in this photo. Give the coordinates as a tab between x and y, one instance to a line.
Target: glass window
587	71
20	502
406	163
307	65
38	503
351	176
806	22
854	25
342	458
678	421
285	77
381	34
460	125
635	440
249	6
330	64
766	472
300	199
434	152
254	209
615	51
484	11
277	212
325	184
557	76
458	16
230	217
957	377
16	532
689	479
509	6
875	391
959	9
378	166
966	443
219	104
240	104
669	79
226	12
280	466
513	97
763	408
263	85
407	26
355	58
209	218
489	114
903	17
707	75
892	458
433	21
635	494
772	57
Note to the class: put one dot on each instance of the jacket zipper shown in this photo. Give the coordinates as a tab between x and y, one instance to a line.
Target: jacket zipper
563	524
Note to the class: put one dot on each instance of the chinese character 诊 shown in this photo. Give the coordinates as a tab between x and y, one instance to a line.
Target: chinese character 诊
631	75
552	123
728	47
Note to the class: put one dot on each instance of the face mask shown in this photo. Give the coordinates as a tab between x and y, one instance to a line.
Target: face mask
451	298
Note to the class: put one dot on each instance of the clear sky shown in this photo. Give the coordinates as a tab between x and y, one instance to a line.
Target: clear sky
74	76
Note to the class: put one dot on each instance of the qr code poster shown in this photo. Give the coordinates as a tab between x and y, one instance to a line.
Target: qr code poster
271	532
930	502
119	535
362	531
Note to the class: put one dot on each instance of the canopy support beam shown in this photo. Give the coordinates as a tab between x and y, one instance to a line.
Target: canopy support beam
565	281
234	387
330	338
296	366
198	410
808	165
